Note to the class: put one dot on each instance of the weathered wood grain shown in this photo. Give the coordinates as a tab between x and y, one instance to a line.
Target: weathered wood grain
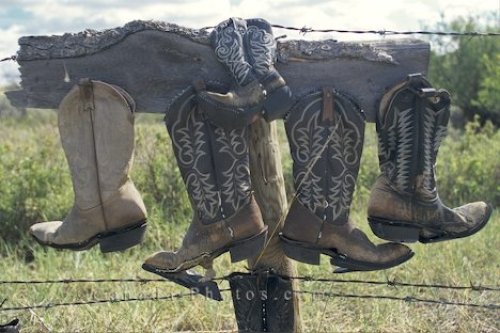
269	186
154	61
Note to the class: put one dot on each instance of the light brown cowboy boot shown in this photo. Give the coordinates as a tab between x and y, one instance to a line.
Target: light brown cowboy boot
325	130
404	204
96	123
215	167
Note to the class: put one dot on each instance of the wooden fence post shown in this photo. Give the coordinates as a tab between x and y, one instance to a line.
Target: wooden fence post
269	186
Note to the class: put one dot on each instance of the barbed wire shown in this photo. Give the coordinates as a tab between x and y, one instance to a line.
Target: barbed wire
383	32
103	301
408	299
13	58
394	283
390	283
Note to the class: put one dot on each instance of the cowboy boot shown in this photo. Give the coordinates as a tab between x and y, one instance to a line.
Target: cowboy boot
242	104
96	124
325	131
404	204
215	167
260	47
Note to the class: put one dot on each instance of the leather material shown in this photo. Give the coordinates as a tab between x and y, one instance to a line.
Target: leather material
248	50
235	109
13	326
263	302
227	42
346	239
325	131
214	164
203	242
96	123
411	125
261	48
326	145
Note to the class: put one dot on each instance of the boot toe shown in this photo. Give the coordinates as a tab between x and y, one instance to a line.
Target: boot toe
163	260
475	213
45	232
394	252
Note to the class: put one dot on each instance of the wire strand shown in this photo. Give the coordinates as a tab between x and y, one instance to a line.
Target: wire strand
390	283
384	32
409	299
104	301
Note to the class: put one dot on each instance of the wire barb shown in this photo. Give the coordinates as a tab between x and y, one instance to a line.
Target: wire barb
13	58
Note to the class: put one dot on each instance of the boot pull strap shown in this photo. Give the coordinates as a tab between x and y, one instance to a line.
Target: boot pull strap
86	94
328	105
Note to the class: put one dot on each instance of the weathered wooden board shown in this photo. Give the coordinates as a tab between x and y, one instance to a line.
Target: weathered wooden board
154	61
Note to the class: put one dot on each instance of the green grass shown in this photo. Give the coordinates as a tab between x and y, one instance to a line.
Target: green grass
35	186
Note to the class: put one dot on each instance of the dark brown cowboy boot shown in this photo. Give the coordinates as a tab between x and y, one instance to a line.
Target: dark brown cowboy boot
243	103
404	204
215	167
325	131
248	49
260	50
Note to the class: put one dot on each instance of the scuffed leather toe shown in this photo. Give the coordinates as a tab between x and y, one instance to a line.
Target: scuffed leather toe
45	232
163	260
389	252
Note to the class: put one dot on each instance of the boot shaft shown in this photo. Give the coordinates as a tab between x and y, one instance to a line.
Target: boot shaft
260	47
411	125
96	124
213	162
325	131
227	42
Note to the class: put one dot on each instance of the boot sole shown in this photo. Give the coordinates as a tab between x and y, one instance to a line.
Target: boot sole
111	241
308	254
238	250
408	232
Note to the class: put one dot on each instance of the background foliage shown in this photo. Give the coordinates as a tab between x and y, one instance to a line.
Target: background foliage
469	67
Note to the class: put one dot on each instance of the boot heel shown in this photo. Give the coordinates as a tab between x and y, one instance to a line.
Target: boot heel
121	241
302	254
393	231
248	248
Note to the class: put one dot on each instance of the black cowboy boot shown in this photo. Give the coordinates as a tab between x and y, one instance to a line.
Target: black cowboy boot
215	167
260	48
404	204
243	103
325	131
11	327
263	302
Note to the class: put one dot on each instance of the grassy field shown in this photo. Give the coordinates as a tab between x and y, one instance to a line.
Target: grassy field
35	186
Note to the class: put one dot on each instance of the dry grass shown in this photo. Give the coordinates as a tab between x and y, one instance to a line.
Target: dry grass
459	262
